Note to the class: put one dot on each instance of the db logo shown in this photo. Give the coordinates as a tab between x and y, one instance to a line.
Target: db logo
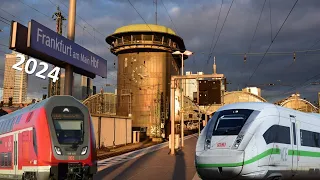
221	144
70	158
30	69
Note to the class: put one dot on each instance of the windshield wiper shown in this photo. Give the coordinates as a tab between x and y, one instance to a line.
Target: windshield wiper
75	145
227	130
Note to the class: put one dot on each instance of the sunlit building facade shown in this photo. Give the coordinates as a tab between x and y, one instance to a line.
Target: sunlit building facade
253	90
191	86
297	103
79	86
145	66
15	83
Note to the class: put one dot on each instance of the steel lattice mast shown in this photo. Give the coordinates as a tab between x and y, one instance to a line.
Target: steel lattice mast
54	88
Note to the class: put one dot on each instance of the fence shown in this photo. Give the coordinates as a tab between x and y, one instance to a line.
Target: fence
112	130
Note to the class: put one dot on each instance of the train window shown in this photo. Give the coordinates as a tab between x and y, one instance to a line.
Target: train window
229	122
8	125
9	159
18	119
11	121
310	139
3	159
69	124
294	133
277	134
1	127
35	142
5	126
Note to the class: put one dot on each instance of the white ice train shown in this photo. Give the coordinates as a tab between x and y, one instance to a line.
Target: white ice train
259	141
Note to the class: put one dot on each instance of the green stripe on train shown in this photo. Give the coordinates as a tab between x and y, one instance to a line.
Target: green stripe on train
256	158
262	155
303	153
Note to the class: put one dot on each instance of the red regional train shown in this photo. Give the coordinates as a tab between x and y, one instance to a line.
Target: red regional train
53	139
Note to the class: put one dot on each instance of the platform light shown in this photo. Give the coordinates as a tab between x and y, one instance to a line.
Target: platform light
187	52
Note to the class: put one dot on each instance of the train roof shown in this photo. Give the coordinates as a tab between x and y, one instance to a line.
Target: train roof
44	103
262	105
315	114
247	105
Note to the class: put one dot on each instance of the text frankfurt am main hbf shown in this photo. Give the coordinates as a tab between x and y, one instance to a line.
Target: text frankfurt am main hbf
57	45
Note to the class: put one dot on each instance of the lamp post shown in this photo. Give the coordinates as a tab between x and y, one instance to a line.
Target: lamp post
187	53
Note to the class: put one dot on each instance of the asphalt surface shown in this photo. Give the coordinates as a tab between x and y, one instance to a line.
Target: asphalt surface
152	163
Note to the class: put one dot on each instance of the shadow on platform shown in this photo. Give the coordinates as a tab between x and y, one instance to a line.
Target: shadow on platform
155	165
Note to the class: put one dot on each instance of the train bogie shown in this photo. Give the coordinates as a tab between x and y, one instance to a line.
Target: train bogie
259	141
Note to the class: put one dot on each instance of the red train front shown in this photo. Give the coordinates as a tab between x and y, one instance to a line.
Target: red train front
53	139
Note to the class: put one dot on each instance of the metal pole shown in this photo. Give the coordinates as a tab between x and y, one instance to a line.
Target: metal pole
68	81
172	114
88	87
198	99
182	104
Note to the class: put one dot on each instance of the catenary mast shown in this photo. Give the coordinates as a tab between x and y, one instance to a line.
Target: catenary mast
54	88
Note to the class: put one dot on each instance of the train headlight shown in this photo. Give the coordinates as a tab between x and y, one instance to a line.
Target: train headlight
237	142
58	150
84	150
207	144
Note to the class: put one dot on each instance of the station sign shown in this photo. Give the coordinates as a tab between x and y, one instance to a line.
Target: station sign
44	44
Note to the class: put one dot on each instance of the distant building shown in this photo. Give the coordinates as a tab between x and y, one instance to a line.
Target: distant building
191	87
319	101
15	83
62	77
297	103
1	94
253	90
79	86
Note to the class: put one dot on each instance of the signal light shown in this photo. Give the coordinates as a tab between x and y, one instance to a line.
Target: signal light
245	57
294	56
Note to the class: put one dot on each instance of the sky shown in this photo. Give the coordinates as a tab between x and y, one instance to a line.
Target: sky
196	22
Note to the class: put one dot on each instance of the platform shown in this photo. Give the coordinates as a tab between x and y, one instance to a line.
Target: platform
158	164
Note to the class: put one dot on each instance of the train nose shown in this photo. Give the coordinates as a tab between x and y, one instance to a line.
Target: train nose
216	164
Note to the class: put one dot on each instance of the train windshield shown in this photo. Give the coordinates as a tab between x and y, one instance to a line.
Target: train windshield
228	122
69	125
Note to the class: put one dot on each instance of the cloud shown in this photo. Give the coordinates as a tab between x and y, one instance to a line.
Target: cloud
195	22
175	11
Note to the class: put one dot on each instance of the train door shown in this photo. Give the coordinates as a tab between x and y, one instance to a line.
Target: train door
15	153
294	144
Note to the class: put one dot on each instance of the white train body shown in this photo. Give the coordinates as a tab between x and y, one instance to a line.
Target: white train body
259	141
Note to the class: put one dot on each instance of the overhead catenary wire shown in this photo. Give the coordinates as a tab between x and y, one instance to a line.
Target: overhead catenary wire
139	14
272	41
35	9
12	15
254	35
270	20
80	25
222	28
278	53
170	17
214	34
255	31
301	85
